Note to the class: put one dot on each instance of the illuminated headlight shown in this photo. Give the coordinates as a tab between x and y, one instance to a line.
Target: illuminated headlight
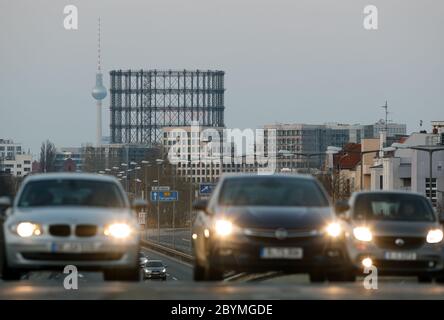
147	270
164	270
363	234
118	230
334	229
434	236
223	228
28	229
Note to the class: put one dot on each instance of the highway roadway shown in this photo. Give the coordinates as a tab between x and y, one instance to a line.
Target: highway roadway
179	285
179	238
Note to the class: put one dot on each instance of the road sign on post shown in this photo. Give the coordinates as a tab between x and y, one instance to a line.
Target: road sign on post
164	196
160	188
206	188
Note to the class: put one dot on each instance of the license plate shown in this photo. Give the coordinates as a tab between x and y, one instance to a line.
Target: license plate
394	255
73	247
281	253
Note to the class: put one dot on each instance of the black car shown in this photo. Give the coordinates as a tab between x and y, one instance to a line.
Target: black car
259	223
154	269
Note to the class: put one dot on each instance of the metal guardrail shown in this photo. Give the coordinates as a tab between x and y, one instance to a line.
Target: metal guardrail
169	251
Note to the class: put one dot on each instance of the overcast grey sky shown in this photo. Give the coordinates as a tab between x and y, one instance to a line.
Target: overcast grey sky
285	60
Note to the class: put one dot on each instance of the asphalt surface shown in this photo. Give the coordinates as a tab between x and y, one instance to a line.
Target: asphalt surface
180	286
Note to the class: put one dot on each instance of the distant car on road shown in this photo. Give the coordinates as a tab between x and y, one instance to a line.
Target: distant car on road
155	269
60	219
257	223
143	259
398	232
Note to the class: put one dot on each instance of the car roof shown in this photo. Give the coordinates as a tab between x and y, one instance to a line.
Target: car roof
274	175
70	175
358	193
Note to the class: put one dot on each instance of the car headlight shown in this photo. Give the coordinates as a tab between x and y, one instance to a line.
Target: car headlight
147	270
334	229
363	234
118	230
164	270
434	236
223	227
28	229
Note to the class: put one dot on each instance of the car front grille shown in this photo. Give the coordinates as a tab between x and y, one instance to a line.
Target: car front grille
81	230
60	230
399	243
106	256
85	230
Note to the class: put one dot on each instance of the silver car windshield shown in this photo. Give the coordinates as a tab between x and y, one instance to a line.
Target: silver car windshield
272	192
399	207
71	192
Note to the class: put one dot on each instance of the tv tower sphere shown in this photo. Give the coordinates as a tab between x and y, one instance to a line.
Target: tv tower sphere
99	91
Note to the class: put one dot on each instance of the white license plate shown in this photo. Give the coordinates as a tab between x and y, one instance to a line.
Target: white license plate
73	247
396	255
281	253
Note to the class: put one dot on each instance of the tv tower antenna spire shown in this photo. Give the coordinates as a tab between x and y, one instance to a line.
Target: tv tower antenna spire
99	91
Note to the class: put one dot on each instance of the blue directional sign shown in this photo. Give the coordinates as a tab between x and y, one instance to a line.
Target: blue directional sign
206	188
164	196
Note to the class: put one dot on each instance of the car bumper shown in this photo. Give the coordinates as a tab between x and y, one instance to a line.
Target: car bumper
317	254
428	259
96	253
154	275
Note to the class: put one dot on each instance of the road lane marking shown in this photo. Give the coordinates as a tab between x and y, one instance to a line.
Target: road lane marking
174	278
186	240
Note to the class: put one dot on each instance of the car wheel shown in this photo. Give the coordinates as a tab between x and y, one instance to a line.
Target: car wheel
212	273
317	277
198	272
127	274
8	274
425	278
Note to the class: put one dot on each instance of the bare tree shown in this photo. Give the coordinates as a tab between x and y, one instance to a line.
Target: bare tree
47	156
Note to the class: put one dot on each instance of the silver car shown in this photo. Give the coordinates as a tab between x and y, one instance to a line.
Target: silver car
397	232
60	219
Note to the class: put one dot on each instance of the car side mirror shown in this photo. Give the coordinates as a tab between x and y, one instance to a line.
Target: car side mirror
341	207
201	205
5	203
139	204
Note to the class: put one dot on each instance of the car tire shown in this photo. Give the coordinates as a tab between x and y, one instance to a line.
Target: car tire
198	272
425	278
127	274
317	277
6	273
213	274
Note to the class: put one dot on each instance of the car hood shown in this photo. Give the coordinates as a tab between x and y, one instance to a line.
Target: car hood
302	218
398	228
71	215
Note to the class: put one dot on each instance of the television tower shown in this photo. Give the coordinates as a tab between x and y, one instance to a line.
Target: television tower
99	91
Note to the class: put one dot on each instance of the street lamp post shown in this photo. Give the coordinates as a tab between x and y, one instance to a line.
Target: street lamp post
159	162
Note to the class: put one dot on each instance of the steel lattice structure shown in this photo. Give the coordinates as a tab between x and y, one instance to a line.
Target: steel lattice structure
145	101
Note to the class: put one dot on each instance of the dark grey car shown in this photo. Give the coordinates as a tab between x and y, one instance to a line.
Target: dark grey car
155	269
260	223
398	232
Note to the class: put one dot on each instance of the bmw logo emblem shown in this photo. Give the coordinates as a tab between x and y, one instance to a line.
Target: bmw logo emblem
399	242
